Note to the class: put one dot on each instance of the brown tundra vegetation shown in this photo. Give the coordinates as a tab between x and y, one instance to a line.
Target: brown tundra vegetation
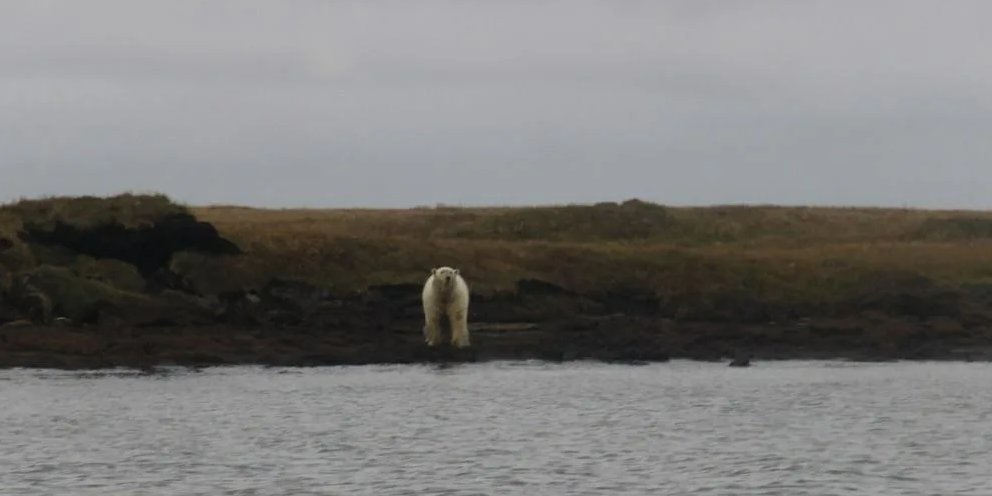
137	280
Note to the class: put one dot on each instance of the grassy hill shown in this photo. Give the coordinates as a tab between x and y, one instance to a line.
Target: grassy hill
139	280
805	260
800	257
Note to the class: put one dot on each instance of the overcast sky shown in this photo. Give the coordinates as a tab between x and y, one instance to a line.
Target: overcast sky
416	102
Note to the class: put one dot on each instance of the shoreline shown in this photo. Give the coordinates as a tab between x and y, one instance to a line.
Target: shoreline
76	348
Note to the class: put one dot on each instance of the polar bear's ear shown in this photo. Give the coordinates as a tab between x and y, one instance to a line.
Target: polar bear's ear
457	272
434	271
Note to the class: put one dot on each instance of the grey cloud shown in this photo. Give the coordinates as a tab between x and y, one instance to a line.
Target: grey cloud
390	103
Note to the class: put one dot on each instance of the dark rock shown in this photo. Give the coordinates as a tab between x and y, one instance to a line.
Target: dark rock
533	301
241	307
298	295
838	327
397	291
902	293
6	279
737	306
8	313
534	286
631	301
62	322
282	317
500	307
16	324
165	279
158	322
916	303
203	359
148	248
393	301
741	359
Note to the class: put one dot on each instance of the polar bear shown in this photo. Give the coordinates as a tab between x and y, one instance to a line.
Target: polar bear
446	296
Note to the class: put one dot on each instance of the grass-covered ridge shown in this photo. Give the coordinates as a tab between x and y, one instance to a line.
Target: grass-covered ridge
87	258
783	253
140	280
708	262
129	210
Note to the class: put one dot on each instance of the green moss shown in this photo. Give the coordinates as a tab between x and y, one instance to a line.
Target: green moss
76	297
114	273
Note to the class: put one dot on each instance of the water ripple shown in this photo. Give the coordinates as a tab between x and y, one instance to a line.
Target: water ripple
789	428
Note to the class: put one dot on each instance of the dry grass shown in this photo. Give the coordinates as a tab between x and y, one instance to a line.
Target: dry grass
789	254
129	210
701	259
780	253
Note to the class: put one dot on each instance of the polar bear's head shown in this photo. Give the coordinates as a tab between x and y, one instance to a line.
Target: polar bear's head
445	276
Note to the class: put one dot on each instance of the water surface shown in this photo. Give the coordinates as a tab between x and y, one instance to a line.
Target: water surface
786	428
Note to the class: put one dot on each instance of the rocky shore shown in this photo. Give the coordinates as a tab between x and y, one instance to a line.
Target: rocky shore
298	325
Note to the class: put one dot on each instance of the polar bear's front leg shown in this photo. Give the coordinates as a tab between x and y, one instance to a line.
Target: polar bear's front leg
459	328
432	327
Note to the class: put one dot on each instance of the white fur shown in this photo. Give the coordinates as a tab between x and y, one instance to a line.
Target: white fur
446	295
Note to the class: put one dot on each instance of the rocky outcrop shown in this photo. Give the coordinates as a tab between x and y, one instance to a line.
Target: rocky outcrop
103	262
47	293
149	248
79	317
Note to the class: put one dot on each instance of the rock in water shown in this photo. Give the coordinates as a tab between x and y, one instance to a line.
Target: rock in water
741	360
